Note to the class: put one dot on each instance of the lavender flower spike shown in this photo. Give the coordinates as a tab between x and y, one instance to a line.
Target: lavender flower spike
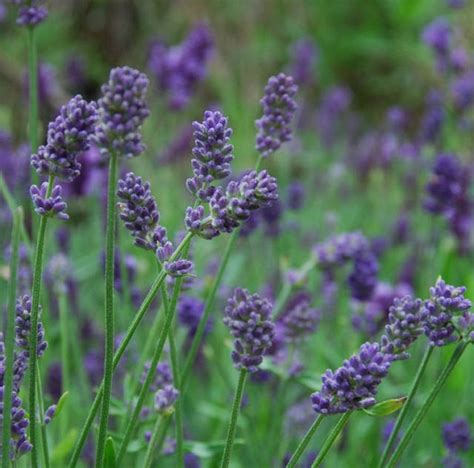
354	385
405	325
31	13
69	135
53	206
249	320
165	398
446	303
23	326
279	107
122	111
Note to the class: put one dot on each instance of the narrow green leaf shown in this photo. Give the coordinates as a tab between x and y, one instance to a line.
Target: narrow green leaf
385	407
109	454
61	402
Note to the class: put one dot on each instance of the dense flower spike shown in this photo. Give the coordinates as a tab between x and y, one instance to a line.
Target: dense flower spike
163	376
178	268
339	249
363	279
69	135
405	325
53	206
433	118
248	317
31	13
190	310
212	154
122	110
138	209
354	385
305	55
23	326
279	107
179	69
445	303
165	398
457	436
299	318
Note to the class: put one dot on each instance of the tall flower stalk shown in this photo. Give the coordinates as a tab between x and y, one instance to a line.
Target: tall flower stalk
122	110
10	339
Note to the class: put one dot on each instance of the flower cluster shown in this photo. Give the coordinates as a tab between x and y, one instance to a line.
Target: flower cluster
433	118
122	111
23	327
438	36
305	55
139	211
363	279
212	154
52	205
354	385
445	303
457	438
69	135
165	398
179	69
299	319
248	317
405	325
163	376
31	13
279	107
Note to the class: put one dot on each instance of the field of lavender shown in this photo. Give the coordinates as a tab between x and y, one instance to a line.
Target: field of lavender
236	233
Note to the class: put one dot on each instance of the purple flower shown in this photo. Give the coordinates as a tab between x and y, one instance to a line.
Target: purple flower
462	91
451	460
212	154
296	195
363	279
122	111
163	376
445	303
165	398
248	317
305	55
438	36
279	107
31	14
433	118
178	268
179	69
69	135
271	215
49	414
299	318
190	310
354	385
457	435
53	205
138	210
23	327
405	325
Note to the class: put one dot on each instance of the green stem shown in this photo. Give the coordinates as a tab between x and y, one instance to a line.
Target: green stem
406	405
121	350
178	415
33	90
328	443
304	443
63	322
207	310
159	432
427	403
10	338
44	437
170	310
233	418
109	308
33	338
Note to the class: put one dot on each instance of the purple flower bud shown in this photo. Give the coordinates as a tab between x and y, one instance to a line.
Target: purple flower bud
249	320
163	376
49	415
165	398
279	107
32	14
178	268
296	195
69	135
52	206
299	318
363	279
23	327
457	436
122	111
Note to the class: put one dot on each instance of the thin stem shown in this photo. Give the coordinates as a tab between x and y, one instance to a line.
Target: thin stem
427	403
63	322
233	418
157	437
304	443
44	437
328	443
406	405
33	89
152	370
207	310
33	338
10	338
121	350
109	308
